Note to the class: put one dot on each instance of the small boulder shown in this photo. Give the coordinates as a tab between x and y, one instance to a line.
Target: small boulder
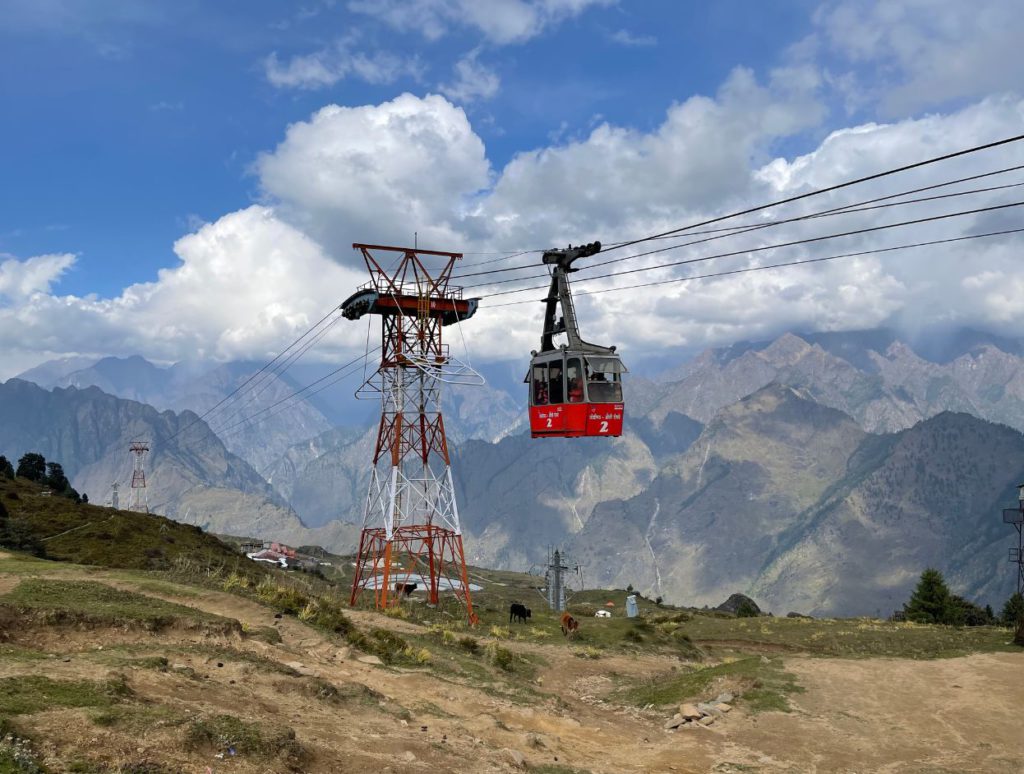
675	721
689	712
707	720
369	660
708	709
516	758
724	698
723	707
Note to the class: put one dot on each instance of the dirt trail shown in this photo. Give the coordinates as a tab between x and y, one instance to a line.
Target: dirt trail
854	716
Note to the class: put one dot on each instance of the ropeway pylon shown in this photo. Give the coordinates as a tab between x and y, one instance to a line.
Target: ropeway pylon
139	500
411	532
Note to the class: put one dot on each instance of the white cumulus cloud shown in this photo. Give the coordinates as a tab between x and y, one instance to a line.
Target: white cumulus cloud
21	279
499	21
473	80
336	62
379	172
909	55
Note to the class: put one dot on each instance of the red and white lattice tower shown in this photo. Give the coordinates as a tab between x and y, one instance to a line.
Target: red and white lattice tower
139	500
411	532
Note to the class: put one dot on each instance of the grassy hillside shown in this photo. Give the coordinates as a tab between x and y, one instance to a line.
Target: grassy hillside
87	534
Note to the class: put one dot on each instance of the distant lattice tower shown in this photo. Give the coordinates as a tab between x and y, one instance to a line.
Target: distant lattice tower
411	533
139	500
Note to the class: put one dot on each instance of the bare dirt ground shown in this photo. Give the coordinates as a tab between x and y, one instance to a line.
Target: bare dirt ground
871	715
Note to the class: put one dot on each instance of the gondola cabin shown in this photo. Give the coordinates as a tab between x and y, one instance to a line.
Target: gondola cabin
575	388
573	395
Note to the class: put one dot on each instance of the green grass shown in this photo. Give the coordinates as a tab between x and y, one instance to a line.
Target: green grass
220	732
762	685
32	693
139	718
89	602
848	638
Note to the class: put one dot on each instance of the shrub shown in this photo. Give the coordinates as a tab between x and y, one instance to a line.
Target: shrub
235	582
284	598
387	646
469	644
325	615
503	658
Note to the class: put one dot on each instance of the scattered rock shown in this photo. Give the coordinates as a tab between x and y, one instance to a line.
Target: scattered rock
301	668
723	707
369	660
516	758
66	659
343	654
707	720
675	721
409	756
536	741
724	698
708	709
689	712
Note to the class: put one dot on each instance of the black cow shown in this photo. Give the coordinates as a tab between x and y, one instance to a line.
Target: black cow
518	613
405	589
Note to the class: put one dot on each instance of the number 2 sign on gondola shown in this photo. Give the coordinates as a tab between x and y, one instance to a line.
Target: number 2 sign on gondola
575	386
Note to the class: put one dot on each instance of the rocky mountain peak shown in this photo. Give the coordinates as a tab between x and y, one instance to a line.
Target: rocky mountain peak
787	350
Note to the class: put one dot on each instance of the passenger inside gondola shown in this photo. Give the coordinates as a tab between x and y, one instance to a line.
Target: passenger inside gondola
575	379
540	386
555	391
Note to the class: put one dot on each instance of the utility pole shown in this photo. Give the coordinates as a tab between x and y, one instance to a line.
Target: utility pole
140	499
1015	517
556	581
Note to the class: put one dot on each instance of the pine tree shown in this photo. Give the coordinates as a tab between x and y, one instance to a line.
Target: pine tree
1013	611
931	601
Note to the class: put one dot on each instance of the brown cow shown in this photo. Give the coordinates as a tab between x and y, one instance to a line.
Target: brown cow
569	625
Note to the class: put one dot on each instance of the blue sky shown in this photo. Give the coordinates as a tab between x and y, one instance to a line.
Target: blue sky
184	178
124	128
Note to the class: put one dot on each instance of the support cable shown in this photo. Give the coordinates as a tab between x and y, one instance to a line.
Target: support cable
762	248
235	391
722	233
800	262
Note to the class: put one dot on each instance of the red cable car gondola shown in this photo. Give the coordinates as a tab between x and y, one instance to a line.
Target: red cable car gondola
575	388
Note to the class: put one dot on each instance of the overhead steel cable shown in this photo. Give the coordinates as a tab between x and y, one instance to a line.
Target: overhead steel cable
762	248
240	387
722	233
353	362
837	187
799	262
922	189
853	208
341	377
280	370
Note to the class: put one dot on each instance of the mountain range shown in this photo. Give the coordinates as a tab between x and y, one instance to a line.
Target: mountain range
815	472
